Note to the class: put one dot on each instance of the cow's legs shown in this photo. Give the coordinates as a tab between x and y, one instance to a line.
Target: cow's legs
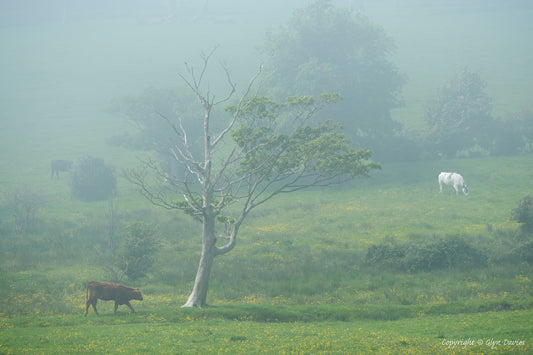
127	304
94	306
131	307
87	305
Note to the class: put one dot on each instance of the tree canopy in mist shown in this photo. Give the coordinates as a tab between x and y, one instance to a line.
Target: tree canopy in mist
328	49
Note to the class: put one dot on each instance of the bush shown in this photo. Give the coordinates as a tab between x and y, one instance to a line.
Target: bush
385	255
23	204
92	180
448	253
413	256
523	253
137	250
523	213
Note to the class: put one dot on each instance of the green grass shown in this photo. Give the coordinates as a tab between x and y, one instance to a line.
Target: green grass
297	273
181	331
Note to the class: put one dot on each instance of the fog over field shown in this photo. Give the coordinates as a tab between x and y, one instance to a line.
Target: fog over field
63	62
305	234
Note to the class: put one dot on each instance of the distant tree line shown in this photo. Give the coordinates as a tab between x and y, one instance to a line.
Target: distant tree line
324	49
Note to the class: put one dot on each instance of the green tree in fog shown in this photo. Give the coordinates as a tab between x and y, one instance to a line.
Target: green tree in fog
326	49
460	117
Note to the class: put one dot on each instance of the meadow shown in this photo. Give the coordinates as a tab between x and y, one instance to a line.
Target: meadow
378	265
159	333
299	279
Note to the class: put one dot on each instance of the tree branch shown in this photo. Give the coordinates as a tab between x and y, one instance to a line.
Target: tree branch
239	106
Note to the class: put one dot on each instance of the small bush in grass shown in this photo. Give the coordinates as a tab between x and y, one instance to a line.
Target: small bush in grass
137	250
523	213
445	253
23	204
522	253
435	254
92	180
385	255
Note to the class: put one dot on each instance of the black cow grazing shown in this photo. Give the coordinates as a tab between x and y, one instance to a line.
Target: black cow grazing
109	291
60	165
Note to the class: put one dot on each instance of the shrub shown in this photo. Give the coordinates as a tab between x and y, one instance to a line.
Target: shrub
525	253
23	204
137	250
92	180
385	255
523	213
446	253
413	256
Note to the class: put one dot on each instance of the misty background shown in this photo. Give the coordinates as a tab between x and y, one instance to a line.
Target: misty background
64	63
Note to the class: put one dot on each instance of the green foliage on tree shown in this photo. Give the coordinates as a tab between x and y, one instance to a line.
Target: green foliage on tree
314	151
92	180
328	49
523	213
460	119
137	250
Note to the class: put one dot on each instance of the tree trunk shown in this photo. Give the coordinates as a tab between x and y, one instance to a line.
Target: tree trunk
198	296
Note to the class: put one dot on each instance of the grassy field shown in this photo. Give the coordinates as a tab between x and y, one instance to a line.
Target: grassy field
174	332
300	279
297	281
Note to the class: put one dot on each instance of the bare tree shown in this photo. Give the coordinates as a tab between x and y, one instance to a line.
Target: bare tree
264	149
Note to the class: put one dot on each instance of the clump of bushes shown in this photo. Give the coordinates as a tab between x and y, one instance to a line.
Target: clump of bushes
523	213
434	254
92	180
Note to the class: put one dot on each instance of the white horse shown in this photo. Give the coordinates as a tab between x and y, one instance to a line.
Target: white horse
453	179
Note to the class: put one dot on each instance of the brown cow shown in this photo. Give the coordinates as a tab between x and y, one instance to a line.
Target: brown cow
107	291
